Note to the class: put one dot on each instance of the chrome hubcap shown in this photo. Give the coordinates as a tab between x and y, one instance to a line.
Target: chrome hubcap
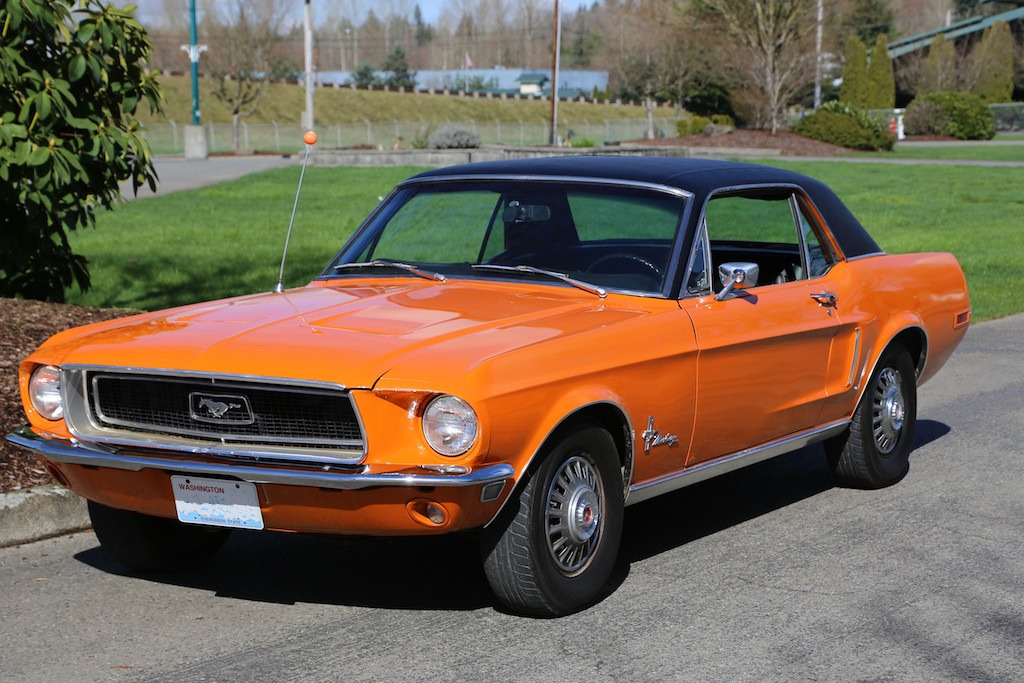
888	410
574	515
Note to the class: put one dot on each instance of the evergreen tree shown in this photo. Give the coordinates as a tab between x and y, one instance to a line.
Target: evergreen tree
397	68
939	69
882	89
856	90
867	19
424	31
991	64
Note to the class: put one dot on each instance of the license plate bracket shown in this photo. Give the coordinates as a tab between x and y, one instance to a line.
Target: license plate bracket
217	502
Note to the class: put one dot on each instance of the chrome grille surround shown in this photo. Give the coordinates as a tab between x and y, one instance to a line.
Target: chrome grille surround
294	421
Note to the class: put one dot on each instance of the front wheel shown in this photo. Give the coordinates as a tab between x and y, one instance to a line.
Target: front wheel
552	550
148	543
875	451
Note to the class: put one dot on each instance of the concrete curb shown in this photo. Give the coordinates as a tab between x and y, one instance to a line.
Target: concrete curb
40	512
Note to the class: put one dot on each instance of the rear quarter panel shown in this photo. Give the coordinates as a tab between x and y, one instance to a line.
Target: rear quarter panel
887	294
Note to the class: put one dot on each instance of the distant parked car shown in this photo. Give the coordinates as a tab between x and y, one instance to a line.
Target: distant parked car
519	349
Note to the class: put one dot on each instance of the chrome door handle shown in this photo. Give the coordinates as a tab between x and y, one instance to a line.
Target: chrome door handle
825	298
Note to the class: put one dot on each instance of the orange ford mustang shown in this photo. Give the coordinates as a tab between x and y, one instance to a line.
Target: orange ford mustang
520	349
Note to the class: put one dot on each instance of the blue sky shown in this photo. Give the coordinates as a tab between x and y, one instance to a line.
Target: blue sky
431	8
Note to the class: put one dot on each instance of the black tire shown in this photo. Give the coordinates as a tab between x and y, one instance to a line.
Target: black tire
535	563
875	451
148	543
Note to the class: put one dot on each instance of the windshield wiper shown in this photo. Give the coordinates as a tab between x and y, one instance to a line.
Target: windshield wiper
585	286
378	263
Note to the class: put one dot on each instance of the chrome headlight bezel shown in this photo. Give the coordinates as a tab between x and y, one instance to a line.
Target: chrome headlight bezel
450	425
44	391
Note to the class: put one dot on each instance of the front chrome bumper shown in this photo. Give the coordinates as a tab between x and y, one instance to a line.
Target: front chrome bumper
135	459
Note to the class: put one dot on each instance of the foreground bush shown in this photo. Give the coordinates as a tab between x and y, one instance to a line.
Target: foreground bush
72	77
958	114
841	125
454	137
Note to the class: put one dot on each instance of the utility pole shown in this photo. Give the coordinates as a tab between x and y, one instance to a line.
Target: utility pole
195	135
817	55
557	42
308	34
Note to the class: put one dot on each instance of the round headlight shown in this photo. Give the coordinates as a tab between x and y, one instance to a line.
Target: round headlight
44	391
449	425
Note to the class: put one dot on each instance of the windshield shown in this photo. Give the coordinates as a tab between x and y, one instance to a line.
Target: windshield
607	236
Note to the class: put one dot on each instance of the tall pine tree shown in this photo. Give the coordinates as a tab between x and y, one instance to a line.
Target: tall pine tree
991	64
882	90
855	90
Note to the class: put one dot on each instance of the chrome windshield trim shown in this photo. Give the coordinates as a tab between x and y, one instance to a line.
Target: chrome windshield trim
657	187
380	263
698	473
71	452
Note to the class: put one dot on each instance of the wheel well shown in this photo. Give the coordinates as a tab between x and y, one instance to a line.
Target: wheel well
607	416
913	340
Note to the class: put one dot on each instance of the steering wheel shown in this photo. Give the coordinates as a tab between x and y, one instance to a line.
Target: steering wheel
631	258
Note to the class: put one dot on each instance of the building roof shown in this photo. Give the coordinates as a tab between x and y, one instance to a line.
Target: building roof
904	46
533	78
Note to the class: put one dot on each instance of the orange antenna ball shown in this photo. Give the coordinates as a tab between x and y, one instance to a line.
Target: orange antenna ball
309	137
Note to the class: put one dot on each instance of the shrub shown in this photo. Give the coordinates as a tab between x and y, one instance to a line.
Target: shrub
692	125
841	125
582	142
958	114
723	120
72	80
454	137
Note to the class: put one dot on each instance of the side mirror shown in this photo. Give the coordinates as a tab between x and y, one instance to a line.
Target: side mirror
737	275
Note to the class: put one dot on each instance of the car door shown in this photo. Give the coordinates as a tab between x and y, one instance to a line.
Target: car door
763	351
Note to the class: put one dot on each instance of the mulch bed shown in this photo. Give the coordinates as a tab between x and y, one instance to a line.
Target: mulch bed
24	325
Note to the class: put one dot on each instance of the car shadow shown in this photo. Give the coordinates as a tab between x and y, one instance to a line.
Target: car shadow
445	572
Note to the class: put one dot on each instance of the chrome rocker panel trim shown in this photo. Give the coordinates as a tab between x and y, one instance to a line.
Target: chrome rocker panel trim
698	473
77	453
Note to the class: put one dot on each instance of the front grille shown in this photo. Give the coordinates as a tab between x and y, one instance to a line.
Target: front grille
225	410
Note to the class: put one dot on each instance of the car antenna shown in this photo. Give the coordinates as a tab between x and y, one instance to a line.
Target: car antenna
309	137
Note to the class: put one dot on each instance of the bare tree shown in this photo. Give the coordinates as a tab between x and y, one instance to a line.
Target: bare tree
244	34
772	37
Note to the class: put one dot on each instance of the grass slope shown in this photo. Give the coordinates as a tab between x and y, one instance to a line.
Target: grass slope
227	239
284	103
964	152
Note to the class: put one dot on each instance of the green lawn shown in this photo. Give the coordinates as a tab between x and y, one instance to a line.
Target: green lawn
957	152
974	212
227	239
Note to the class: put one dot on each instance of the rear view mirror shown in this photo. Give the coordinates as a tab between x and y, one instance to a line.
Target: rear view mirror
737	275
526	213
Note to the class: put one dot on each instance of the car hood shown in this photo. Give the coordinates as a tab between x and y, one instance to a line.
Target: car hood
349	334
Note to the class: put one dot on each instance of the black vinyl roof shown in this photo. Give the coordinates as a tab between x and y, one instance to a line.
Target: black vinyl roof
702	177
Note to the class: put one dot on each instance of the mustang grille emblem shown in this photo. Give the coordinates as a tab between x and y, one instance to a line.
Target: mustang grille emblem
220	408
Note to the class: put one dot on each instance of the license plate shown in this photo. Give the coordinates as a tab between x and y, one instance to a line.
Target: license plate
217	502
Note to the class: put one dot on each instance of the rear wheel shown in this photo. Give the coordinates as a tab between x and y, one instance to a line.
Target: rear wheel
552	550
875	451
150	543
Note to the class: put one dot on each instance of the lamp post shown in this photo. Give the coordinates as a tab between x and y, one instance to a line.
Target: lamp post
557	43
308	33
195	135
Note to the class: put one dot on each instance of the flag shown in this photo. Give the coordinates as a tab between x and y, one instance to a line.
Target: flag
469	62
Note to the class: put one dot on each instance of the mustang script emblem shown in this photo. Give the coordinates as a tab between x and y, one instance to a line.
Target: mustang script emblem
220	408
653	438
